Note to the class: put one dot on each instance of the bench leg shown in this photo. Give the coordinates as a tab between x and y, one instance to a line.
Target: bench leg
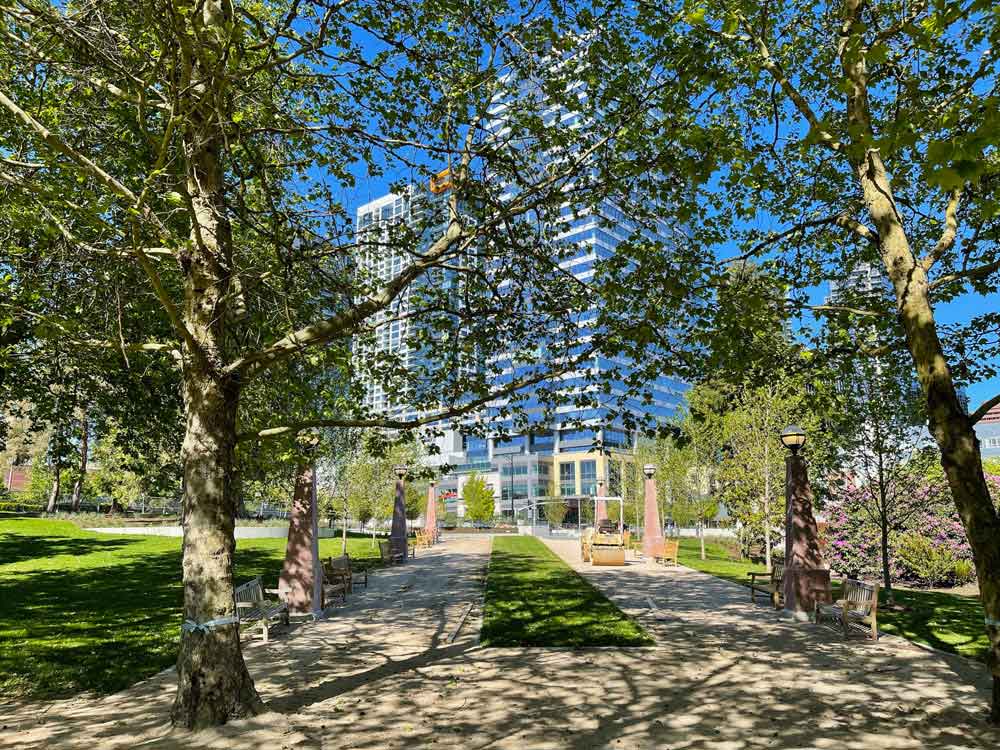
776	600
263	631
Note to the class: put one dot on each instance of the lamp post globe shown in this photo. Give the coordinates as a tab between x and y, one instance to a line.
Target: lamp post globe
649	470
793	437
400	470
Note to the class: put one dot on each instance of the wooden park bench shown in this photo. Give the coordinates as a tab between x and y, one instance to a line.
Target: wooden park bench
341	570
389	553
755	553
666	553
859	607
252	606
772	583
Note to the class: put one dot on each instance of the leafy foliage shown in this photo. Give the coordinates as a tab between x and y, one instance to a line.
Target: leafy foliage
479	501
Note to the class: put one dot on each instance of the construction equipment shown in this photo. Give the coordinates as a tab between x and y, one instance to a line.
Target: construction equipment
607	545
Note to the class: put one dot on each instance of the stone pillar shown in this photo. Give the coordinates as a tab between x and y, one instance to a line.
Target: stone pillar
601	509
807	579
397	536
430	516
301	581
652	535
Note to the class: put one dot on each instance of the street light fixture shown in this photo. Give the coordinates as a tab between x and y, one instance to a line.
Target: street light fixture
793	437
400	470
649	470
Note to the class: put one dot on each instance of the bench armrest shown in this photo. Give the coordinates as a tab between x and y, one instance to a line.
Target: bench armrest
755	573
245	605
276	592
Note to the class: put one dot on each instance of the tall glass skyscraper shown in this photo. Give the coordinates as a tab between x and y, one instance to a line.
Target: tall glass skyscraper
567	451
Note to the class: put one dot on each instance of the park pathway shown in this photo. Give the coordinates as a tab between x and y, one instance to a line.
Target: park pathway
381	673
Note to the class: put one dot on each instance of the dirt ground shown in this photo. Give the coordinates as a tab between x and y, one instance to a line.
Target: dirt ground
383	672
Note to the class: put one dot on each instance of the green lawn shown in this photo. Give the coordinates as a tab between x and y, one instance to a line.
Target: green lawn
98	612
534	599
945	621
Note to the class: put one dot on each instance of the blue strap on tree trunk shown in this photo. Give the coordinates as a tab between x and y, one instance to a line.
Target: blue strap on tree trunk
190	626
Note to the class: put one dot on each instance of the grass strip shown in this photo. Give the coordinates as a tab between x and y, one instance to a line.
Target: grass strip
81	611
534	599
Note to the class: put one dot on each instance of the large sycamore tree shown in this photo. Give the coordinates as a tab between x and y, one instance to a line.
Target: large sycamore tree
185	169
869	136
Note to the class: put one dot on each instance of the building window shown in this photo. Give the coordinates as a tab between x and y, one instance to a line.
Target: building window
614	478
474	447
617	438
542	442
588	477
567	479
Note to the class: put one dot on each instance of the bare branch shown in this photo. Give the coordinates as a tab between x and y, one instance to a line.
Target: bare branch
840	220
845	308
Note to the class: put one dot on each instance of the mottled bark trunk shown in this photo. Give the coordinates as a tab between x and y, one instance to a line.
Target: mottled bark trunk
82	474
213	684
948	421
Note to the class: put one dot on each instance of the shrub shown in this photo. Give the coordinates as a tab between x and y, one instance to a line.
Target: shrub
964	571
16	506
923	561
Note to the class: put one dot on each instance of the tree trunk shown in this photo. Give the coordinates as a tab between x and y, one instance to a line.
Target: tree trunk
55	488
767	508
78	484
886	577
701	536
948	421
343	548
213	684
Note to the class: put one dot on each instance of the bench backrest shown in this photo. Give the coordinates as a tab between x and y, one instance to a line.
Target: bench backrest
251	591
863	597
670	548
383	549
777	573
343	562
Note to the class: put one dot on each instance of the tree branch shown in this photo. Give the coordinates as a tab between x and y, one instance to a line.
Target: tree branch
772	66
979	272
845	308
397	424
947	239
984	407
841	220
122	191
